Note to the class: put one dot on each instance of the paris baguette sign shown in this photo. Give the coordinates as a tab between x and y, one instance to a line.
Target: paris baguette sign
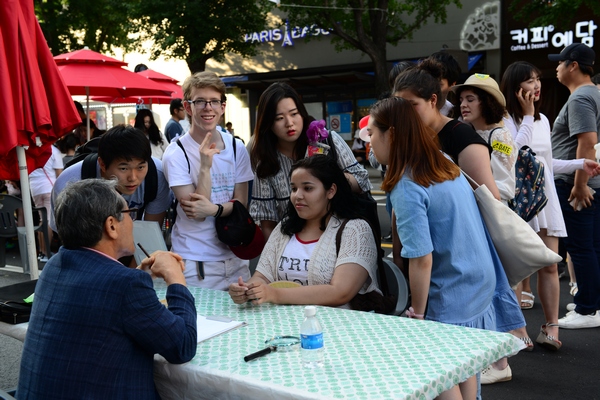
545	37
285	35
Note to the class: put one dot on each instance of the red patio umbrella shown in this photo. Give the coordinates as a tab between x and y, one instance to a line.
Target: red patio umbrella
87	72
166	81
36	106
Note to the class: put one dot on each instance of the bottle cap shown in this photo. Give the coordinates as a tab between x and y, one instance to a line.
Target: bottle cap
310	311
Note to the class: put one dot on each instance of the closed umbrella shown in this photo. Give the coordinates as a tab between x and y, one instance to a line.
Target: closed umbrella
166	81
36	106
87	72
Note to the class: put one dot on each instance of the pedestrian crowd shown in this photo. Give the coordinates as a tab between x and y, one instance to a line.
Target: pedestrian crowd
301	184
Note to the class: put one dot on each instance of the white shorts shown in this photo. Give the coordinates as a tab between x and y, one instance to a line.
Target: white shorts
43	200
217	274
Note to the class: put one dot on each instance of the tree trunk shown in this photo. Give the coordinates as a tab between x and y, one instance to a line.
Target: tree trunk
197	65
381	73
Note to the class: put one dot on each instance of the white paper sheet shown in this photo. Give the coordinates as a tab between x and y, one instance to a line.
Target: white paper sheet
213	325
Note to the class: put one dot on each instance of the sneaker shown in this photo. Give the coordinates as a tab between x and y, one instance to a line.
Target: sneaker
574	320
492	375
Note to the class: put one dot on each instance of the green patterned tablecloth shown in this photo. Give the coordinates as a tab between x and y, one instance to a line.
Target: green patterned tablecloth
367	356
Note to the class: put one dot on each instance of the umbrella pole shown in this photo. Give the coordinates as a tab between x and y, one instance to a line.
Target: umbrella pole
27	213
87	110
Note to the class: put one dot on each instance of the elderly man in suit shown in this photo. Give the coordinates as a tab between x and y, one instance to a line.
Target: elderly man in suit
96	324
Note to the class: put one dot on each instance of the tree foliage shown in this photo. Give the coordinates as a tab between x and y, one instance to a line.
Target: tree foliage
550	12
101	25
369	25
197	31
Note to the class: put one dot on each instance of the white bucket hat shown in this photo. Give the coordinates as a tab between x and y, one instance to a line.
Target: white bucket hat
485	83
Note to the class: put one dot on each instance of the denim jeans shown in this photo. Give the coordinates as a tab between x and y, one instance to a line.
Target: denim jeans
583	245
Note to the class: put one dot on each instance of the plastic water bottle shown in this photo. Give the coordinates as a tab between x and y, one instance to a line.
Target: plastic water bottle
311	339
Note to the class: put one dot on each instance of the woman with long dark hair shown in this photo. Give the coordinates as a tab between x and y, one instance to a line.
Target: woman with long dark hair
302	248
280	139
144	121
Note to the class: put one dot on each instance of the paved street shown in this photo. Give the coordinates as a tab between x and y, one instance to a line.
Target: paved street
571	373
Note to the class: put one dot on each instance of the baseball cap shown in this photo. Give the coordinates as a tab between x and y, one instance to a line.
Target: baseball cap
579	52
240	233
252	249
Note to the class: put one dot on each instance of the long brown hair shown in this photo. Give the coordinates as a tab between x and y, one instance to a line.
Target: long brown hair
414	148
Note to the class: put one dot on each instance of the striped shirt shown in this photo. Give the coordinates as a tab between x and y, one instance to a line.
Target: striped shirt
270	195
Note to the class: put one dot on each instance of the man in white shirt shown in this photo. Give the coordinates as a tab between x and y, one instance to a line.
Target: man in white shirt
206	174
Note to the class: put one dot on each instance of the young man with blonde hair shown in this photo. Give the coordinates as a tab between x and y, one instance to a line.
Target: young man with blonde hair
206	174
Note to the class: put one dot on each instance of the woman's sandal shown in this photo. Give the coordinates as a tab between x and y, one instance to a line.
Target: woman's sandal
528	342
528	302
548	341
574	288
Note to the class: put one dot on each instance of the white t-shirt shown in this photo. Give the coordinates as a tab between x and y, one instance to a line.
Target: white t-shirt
159	149
41	180
293	263
197	240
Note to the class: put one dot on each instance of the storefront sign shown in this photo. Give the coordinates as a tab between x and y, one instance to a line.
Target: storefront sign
544	37
285	35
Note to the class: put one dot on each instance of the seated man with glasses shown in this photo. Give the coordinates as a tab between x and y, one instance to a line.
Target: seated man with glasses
96	325
206	173
124	154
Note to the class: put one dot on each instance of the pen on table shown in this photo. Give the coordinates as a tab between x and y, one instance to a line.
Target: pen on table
143	249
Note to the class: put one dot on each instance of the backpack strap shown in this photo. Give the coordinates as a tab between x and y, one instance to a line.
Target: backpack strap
490	137
381	277
338	236
234	148
185	154
89	166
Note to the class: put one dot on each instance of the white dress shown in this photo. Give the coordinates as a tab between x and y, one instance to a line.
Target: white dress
536	134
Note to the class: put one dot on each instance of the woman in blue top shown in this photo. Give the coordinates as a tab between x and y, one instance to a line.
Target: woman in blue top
451	261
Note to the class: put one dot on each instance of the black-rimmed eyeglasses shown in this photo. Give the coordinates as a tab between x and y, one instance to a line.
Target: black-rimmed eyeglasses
132	212
203	103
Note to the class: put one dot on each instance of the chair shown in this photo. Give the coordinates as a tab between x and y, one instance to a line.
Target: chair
397	285
9	229
7	394
149	235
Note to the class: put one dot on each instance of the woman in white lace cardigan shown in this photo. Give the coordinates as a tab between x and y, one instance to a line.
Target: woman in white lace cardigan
302	248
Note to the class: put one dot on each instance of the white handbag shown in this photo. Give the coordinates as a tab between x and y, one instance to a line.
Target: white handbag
521	251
